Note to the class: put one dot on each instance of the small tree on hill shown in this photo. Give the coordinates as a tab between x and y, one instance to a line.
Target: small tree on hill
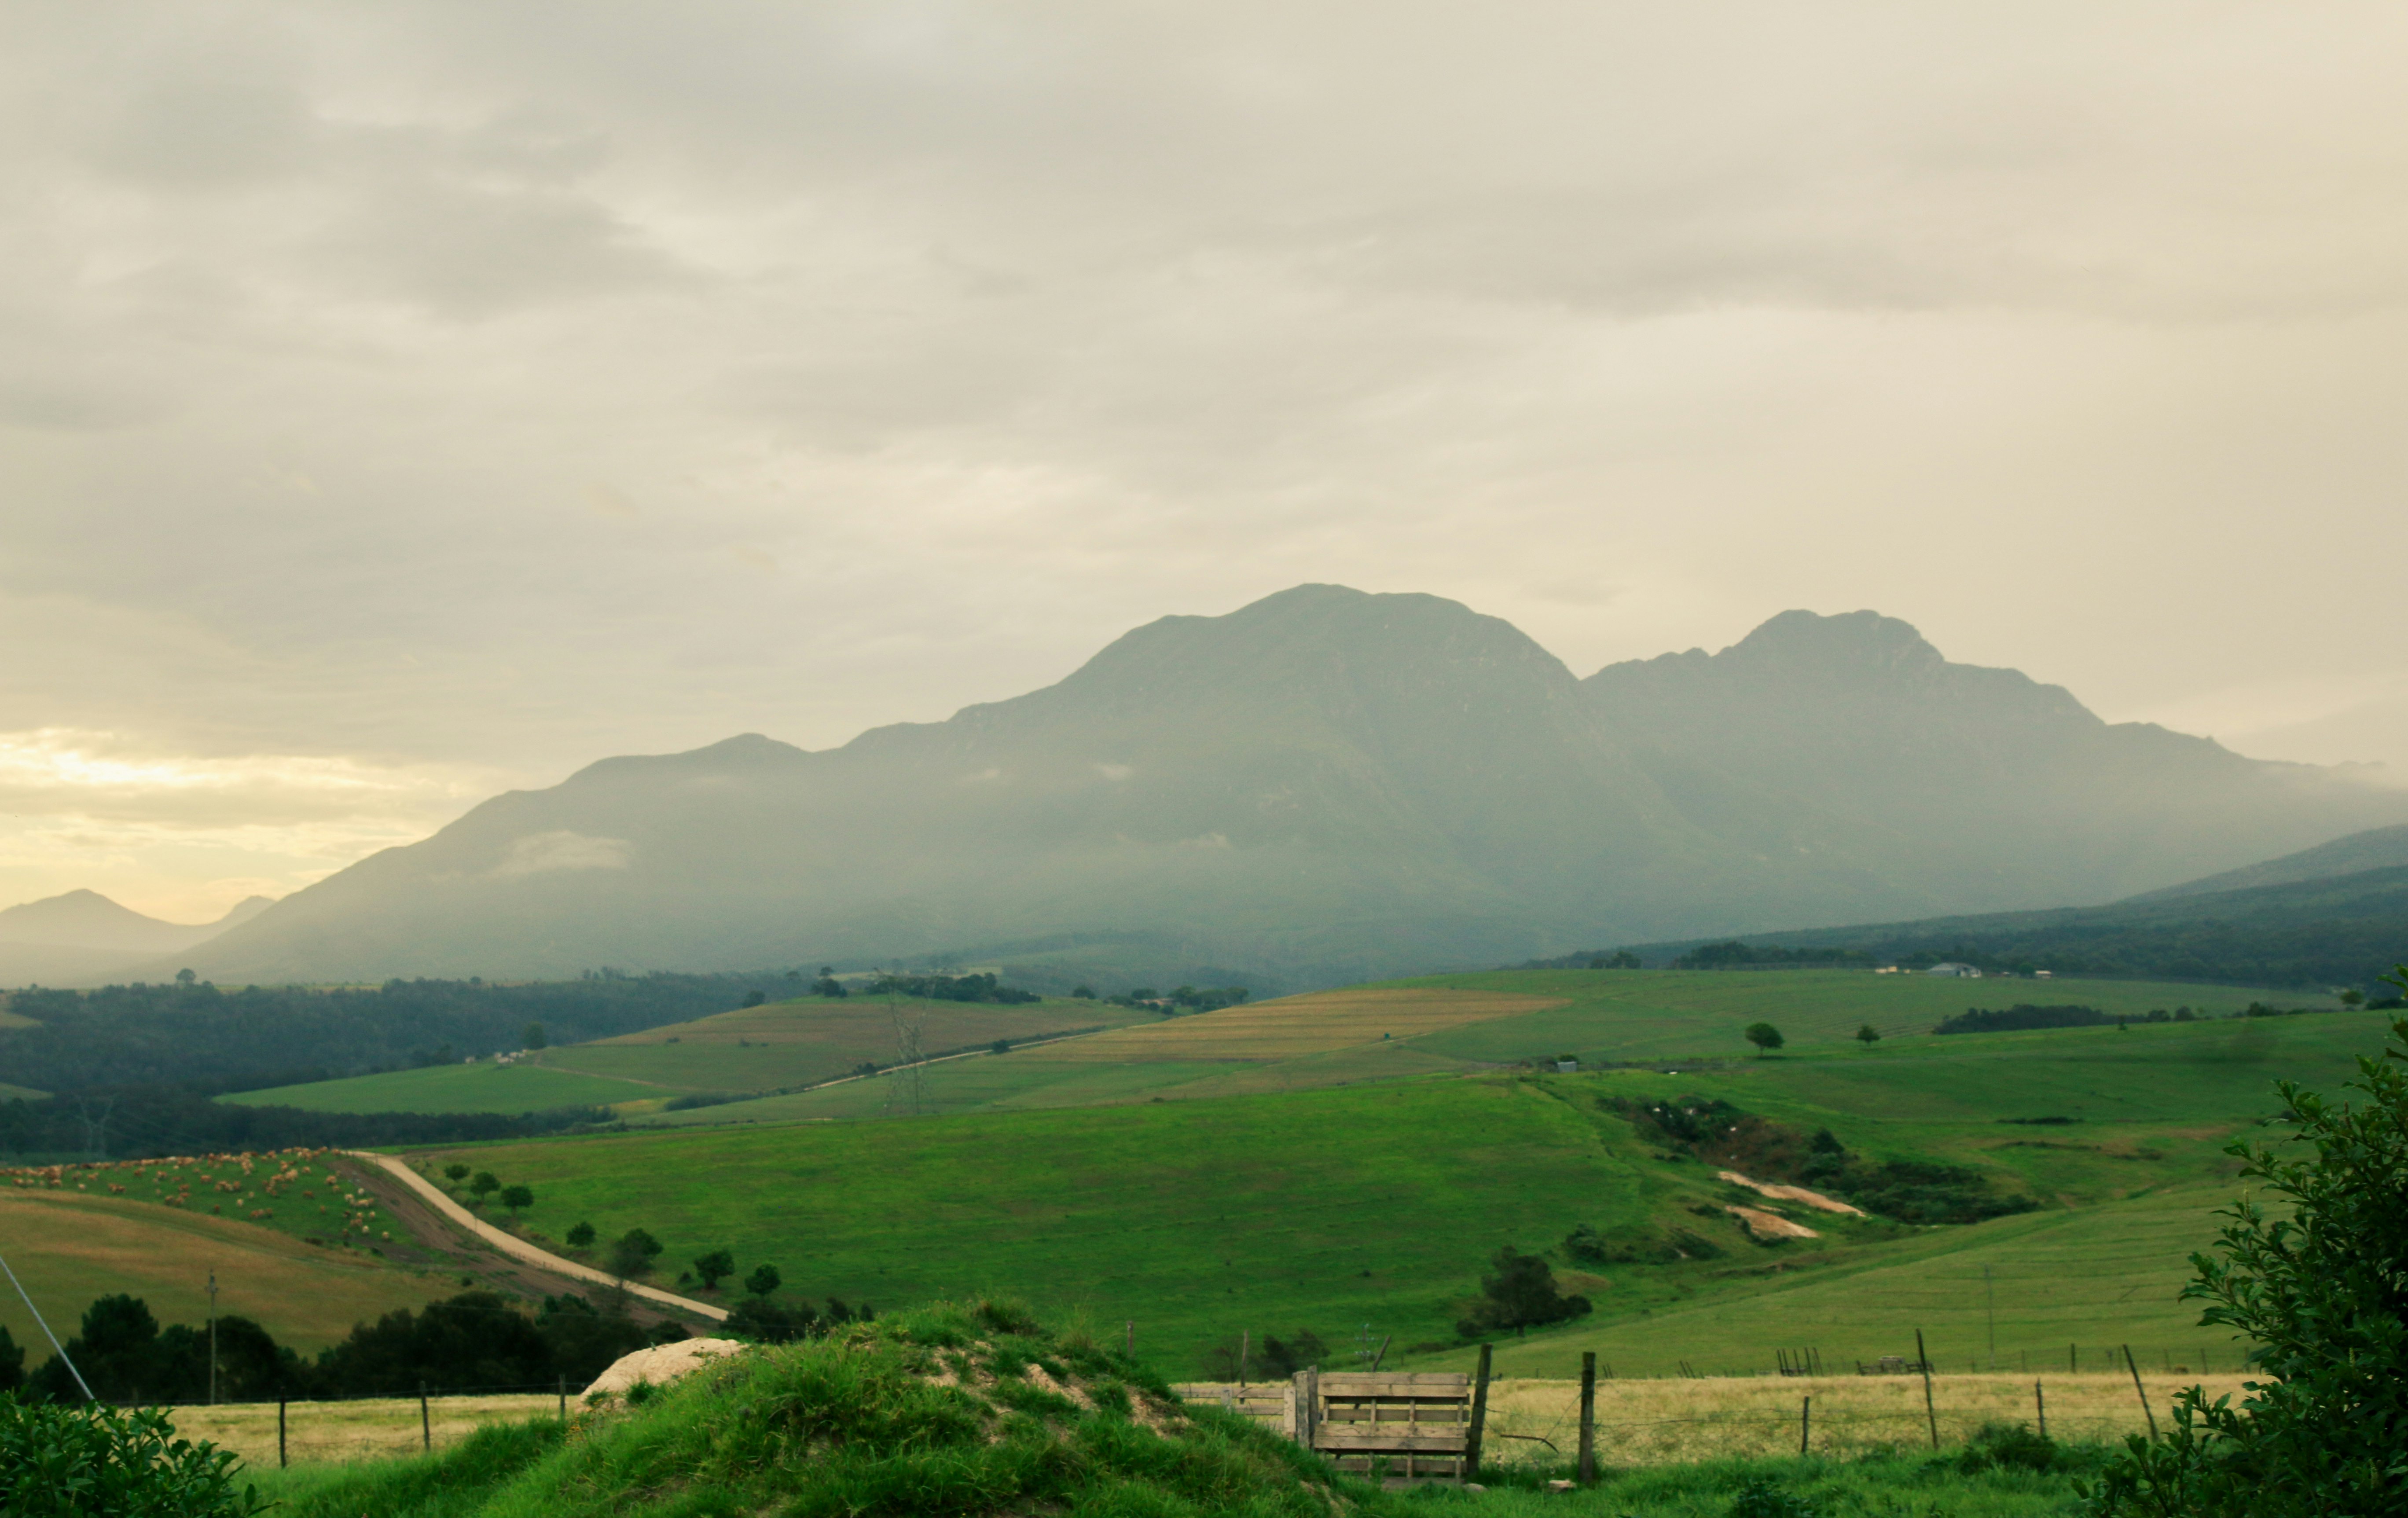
2316	1285
531	1037
1765	1037
455	1173
764	1279
582	1235
1868	1036
1520	1293
632	1254
486	1184
515	1198
713	1268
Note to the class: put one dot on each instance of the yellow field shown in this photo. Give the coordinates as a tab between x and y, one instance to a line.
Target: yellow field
1318	1023
316	1432
1665	1421
69	1248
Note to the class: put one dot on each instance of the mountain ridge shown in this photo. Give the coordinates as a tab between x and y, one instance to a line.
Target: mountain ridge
1331	784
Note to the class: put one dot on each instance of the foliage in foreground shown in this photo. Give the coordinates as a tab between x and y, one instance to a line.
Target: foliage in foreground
949	1409
99	1462
2324	1292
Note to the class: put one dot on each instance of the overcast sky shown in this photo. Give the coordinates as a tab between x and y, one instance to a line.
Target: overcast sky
400	403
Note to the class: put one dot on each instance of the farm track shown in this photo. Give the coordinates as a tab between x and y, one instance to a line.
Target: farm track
439	1223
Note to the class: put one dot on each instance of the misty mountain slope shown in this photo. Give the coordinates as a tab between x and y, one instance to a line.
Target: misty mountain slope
1973	785
2377	848
1325	776
1330	784
2348	929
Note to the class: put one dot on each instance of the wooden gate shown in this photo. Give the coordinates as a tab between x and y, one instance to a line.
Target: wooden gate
1405	1426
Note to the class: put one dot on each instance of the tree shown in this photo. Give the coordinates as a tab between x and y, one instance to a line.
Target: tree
455	1173
714	1267
827	985
1868	1036
531	1037
1001	1046
580	1236
2353	997
486	1184
515	1198
12	1362
764	1321
764	1279
186	977
2315	1283
1765	1037
632	1254
755	997
1083	992
1520	1293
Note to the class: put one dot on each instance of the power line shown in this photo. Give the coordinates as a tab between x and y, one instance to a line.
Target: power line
61	1349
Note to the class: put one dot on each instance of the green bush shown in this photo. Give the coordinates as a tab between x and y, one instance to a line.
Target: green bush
93	1461
2320	1291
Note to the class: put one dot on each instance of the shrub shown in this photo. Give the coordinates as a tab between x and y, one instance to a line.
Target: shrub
2318	1291
91	1460
1520	1293
1761	1498
2006	1447
632	1254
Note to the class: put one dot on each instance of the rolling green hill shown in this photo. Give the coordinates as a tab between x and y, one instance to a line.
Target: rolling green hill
766	1048
1380	1203
1461	1024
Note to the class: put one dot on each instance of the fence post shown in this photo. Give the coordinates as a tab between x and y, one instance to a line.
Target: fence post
1587	1468
1308	1404
564	1401
279	1434
1479	1416
2040	1404
1930	1414
1805	1422
425	1424
2146	1410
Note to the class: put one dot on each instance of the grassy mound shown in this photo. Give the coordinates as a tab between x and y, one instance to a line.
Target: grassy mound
948	1410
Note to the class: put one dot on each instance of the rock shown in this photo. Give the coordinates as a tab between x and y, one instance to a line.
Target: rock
1559	1486
661	1364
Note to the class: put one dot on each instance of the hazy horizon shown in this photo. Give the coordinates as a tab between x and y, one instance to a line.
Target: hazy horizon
401	406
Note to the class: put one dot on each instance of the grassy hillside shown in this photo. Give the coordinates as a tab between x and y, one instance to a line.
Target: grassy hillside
768	1048
1380	1204
1460	1023
71	1247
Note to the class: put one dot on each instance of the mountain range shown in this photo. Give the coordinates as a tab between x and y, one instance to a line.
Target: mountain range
1326	785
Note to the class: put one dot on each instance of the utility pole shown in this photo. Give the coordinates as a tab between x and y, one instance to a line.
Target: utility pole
213	1339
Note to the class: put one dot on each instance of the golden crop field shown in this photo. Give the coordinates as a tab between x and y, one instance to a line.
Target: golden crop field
1665	1421
1310	1024
369	1429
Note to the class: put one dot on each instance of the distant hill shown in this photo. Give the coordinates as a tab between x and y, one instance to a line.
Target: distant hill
2338	931
1322	787
87	920
81	937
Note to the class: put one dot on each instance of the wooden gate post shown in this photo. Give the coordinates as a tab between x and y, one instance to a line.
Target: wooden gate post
1308	1405
1478	1417
1587	1468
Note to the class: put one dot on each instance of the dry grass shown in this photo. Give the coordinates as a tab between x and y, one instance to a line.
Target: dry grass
1298	1025
317	1432
1645	1423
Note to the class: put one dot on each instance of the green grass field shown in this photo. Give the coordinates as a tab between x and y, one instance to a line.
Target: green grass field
71	1247
1461	1024
776	1047
1332	1207
481	1087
